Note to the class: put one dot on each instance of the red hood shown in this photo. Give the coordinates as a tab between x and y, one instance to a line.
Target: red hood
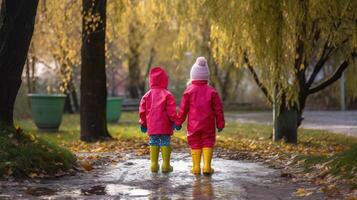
158	78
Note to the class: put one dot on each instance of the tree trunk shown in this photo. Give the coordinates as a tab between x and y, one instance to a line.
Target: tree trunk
73	95
33	78
17	20
227	82
28	77
93	77
342	93
134	76
134	86
71	103
67	104
285	124
206	50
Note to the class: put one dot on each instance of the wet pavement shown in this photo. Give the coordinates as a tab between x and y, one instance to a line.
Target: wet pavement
334	121
131	179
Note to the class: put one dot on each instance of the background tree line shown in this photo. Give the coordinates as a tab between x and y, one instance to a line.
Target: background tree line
291	49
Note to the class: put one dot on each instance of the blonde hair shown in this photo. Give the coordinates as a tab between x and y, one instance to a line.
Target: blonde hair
189	82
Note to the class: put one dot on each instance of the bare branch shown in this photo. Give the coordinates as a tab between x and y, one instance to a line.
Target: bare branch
327	52
256	79
151	60
319	64
333	78
44	63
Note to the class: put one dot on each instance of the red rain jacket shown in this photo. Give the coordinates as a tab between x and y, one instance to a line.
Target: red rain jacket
157	109
204	108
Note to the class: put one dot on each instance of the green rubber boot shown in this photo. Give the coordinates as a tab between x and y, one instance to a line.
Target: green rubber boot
154	158
166	153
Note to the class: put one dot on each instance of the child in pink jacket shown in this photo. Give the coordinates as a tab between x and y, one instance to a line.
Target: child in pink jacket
204	108
157	114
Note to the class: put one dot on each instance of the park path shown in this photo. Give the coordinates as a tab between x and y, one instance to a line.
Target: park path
131	179
334	121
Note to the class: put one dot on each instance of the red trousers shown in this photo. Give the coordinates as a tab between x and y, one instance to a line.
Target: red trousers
199	140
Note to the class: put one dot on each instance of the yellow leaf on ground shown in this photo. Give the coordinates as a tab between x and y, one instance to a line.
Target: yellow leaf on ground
33	175
302	192
9	172
351	198
86	165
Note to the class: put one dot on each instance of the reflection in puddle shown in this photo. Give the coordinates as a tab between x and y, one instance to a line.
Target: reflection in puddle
139	193
40	191
202	188
115	190
95	190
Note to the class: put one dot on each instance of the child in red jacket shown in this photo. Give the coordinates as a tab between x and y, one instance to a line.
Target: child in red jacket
157	114
204	108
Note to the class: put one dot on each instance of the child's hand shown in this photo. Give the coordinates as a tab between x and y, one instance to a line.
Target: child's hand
178	127
219	129
143	129
173	126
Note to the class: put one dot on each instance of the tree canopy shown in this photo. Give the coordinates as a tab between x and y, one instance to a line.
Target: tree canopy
284	38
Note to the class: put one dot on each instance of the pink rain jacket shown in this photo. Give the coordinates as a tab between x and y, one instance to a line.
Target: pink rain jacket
204	108
157	109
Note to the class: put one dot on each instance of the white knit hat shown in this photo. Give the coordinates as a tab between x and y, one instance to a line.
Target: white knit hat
199	70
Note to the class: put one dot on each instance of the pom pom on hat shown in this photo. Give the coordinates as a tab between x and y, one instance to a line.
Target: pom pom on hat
199	70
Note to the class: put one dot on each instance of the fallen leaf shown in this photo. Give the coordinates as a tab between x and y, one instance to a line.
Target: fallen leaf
86	165
302	192
351	198
287	175
9	172
33	175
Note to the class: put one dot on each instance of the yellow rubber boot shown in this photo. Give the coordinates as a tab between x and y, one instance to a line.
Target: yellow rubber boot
207	158
154	158
196	161
166	154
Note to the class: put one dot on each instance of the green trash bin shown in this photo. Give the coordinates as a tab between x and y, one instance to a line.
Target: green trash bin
114	109
47	110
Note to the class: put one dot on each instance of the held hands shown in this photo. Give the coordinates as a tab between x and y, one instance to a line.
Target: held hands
176	127
219	129
143	129
173	126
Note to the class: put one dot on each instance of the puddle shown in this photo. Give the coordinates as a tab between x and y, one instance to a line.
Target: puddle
133	180
224	183
124	190
139	193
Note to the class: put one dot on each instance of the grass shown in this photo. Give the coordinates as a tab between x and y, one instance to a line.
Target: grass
129	128
305	136
70	128
343	163
314	147
23	154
